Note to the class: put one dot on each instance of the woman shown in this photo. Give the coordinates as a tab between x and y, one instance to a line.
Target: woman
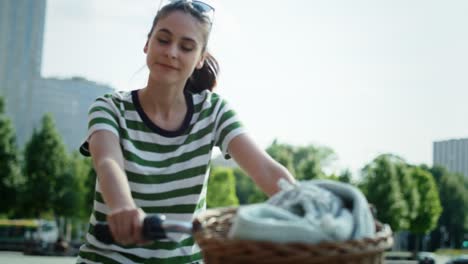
151	147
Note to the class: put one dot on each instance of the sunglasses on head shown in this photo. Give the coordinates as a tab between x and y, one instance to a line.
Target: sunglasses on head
199	6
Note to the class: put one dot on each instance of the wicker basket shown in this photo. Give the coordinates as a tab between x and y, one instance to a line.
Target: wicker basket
213	225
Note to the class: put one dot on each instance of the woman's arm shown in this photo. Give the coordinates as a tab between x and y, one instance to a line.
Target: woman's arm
264	170
124	219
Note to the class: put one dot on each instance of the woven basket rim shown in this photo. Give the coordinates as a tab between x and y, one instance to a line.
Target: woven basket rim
210	241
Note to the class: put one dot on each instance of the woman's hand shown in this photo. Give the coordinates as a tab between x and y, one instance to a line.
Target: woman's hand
125	219
126	225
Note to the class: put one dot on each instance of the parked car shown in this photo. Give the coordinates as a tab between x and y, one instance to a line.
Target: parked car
426	257
462	259
27	234
397	257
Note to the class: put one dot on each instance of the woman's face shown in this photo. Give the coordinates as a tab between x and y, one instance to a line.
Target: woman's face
174	48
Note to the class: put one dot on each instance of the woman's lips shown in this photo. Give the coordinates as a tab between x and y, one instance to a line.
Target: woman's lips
167	66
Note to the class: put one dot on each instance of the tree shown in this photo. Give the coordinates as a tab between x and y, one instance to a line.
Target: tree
10	177
304	162
72	192
345	176
45	167
309	168
429	209
408	187
381	187
310	160
89	186
453	195
283	154
221	188
246	190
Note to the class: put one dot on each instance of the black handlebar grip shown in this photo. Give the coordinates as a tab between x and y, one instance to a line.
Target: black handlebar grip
152	230
103	233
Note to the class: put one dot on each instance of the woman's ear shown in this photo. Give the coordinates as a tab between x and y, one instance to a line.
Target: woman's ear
145	49
201	62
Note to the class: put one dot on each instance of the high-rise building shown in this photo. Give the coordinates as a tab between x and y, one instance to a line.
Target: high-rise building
27	95
21	41
452	154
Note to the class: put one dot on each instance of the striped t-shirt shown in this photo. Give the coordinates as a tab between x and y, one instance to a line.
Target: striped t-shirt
167	170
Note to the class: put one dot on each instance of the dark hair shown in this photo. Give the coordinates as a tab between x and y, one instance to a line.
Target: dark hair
205	77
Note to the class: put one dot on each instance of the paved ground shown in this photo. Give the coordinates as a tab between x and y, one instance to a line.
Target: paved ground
439	260
19	258
442	259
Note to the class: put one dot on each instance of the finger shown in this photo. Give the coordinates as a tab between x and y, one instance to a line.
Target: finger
118	229
112	227
125	236
141	217
136	227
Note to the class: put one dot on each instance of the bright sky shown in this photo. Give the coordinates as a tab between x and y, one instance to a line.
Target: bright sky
362	77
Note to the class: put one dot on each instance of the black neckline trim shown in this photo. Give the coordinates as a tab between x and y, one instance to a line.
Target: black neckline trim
155	128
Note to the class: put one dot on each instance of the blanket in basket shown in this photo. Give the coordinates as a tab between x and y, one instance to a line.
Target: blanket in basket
308	211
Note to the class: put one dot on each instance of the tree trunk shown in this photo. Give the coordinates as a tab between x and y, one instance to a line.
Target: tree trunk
68	230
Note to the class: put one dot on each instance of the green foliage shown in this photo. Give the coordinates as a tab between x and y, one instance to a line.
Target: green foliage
222	188
72	192
430	209
381	187
283	154
89	186
408	187
304	162
246	190
10	177
310	161
438	172
453	194
345	176
309	168
45	169
405	196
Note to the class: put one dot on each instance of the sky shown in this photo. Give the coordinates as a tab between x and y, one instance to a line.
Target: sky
362	77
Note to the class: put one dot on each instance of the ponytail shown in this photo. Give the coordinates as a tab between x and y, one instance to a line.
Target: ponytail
204	78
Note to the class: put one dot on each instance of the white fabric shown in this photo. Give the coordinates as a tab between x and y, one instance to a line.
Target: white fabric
310	211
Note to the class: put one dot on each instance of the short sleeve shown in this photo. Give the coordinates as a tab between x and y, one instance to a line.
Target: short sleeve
102	115
227	127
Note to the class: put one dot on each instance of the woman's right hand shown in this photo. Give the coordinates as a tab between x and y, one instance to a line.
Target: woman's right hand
126	225
125	219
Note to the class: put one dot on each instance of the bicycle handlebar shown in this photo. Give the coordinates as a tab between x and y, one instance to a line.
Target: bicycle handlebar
154	227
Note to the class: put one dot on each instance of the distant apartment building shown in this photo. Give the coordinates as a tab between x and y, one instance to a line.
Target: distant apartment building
68	101
452	154
27	95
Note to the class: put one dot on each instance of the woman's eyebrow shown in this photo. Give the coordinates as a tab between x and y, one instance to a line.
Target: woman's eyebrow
167	31
164	30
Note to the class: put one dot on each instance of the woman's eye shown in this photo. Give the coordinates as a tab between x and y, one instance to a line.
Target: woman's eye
186	48
163	41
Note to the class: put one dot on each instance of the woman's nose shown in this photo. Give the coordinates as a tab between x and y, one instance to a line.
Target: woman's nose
172	51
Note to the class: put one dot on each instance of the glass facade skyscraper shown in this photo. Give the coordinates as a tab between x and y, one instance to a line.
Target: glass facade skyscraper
21	41
27	95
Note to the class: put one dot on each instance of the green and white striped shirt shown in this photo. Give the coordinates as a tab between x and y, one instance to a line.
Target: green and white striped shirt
167	170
